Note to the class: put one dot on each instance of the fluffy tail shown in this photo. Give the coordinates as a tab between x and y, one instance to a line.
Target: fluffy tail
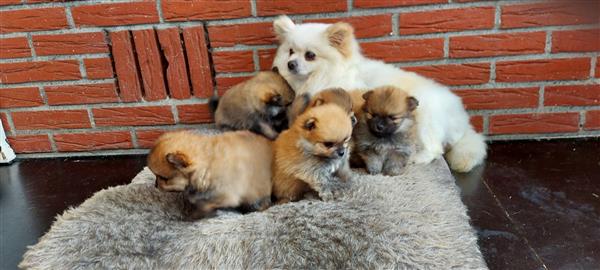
467	152
213	103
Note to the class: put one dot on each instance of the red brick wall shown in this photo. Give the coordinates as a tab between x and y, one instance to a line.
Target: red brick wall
99	77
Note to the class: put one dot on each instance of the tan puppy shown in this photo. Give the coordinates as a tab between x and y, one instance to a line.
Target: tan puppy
384	136
229	170
258	104
336	96
312	155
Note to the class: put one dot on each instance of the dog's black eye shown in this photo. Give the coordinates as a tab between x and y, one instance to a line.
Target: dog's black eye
291	51
309	56
328	144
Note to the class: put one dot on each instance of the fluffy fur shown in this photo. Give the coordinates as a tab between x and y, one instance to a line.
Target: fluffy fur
312	155
258	104
375	224
315	56
336	96
384	136
201	166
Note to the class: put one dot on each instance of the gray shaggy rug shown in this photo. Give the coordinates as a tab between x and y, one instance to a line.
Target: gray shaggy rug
413	221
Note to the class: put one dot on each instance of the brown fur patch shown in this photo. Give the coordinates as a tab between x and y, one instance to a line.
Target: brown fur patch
340	36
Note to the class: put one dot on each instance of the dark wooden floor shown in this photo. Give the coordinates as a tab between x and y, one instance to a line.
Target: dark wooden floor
535	205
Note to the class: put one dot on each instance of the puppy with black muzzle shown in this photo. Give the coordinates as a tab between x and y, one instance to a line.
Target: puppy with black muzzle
384	136
229	170
258	104
312	156
337	96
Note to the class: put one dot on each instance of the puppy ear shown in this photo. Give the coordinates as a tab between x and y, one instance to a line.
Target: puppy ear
283	25
318	102
367	94
412	103
340	36
178	160
310	124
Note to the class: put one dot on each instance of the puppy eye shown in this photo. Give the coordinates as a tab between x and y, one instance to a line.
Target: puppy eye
309	56
328	144
291	51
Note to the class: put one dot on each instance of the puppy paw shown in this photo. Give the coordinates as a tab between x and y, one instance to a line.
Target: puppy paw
423	158
327	195
393	170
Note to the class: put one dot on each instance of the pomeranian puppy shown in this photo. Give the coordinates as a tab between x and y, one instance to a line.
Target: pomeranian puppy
315	56
312	156
258	104
382	138
336	96
228	170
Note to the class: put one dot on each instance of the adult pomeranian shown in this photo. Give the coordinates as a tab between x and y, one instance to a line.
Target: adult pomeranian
315	56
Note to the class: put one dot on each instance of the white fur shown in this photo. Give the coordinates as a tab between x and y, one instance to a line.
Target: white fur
441	118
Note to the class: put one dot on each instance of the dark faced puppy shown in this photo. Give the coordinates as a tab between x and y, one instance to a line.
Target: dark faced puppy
259	104
383	136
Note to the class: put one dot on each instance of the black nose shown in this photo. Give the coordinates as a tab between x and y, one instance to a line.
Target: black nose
292	65
379	127
340	152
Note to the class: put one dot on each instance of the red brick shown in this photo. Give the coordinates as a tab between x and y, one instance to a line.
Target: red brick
504	98
30	143
198	60
365	26
51	119
597	67
98	68
477	122
4	120
576	41
534	123
177	77
146	138
81	94
592	120
44	1
39	71
75	142
448	20
543	70
572	95
134	116
204	10
70	44
543	14
269	7
248	33
14	48
394	3
455	74
32	19
149	60
224	83
114	14
405	50
265	58
9	2
194	113
20	97
234	61
125	66
497	44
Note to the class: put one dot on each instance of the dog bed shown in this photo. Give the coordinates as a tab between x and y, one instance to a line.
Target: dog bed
412	221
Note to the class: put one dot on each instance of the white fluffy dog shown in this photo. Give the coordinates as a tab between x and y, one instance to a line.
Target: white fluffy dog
314	56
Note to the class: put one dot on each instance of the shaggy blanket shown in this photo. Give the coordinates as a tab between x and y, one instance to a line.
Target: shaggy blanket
413	221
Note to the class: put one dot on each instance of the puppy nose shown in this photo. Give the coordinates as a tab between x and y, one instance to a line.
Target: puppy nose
340	152
292	65
379	127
